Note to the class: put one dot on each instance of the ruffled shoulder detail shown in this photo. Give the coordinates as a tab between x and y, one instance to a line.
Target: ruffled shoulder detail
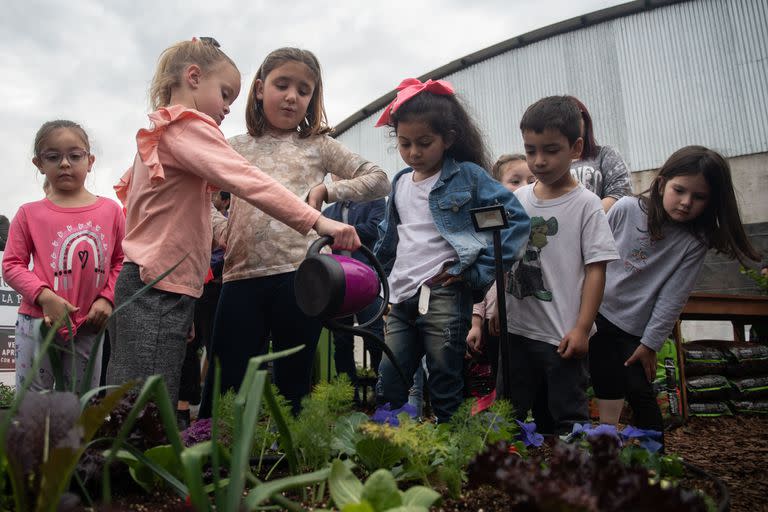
147	139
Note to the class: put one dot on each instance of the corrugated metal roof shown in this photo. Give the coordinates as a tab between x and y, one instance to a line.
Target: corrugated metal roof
654	79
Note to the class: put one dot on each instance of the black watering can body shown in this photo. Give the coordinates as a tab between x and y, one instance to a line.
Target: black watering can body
331	286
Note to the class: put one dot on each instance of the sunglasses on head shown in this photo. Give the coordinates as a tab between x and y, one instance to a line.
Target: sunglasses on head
208	40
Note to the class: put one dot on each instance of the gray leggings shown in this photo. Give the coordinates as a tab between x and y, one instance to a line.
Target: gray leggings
148	337
28	341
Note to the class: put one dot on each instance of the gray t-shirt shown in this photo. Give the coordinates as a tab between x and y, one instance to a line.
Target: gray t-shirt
606	175
544	289
647	288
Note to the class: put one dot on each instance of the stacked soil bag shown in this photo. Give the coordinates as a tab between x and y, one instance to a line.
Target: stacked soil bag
726	377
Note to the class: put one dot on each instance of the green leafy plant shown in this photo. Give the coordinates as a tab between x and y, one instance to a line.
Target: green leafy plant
7	395
379	492
757	277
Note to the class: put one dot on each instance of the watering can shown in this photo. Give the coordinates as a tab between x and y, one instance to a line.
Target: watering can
332	286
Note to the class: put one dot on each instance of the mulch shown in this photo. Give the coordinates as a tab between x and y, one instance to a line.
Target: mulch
732	448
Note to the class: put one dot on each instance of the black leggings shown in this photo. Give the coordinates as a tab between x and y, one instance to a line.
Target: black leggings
249	312
611	380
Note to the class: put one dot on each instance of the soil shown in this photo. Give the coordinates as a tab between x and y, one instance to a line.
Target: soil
732	448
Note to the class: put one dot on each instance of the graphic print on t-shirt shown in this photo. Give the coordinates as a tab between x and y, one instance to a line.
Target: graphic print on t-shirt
639	254
74	248
591	178
526	277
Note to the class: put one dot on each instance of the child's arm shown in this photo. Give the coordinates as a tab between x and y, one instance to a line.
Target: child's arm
362	180
576	341
513	239
16	258
669	303
201	149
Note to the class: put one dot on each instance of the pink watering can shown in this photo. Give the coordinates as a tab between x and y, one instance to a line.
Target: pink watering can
331	286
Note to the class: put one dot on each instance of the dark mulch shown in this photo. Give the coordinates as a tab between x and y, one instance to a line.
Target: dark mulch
732	448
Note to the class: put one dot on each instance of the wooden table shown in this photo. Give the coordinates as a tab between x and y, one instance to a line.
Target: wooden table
740	310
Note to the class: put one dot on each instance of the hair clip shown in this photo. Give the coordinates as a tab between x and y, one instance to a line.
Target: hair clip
209	40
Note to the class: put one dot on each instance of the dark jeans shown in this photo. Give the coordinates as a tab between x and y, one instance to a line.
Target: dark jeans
611	380
344	343
552	387
441	335
249	311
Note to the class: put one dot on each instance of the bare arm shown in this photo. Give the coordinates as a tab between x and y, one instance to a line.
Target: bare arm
576	342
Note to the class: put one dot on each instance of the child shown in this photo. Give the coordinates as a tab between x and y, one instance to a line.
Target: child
511	171
662	237
555	290
167	193
288	139
599	168
73	237
434	259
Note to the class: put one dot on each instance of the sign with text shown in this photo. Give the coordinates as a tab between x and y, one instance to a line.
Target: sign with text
9	305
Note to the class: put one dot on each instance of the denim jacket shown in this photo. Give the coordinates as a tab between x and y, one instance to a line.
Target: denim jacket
461	187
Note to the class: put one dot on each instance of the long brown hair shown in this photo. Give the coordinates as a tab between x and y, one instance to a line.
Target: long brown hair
315	121
719	226
591	147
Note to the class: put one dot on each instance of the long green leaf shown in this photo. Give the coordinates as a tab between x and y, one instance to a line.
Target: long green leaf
263	491
286	437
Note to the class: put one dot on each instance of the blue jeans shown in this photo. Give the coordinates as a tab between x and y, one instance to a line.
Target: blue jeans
441	335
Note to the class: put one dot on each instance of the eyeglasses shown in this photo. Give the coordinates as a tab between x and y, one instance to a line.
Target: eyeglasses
73	157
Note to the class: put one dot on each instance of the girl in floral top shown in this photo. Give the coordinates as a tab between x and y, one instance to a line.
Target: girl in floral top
288	139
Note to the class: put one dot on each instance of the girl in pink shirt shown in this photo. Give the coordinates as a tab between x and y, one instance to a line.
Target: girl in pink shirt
181	159
73	237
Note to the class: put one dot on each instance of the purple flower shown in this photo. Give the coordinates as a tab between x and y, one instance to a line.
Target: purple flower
648	439
528	434
386	416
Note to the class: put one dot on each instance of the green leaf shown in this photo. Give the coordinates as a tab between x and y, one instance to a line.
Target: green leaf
358	507
381	491
263	491
420	496
345	433
378	453
344	486
409	508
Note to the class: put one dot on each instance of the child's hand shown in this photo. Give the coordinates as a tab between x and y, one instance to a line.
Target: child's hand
54	307
317	196
574	344
444	279
344	236
98	314
647	358
474	341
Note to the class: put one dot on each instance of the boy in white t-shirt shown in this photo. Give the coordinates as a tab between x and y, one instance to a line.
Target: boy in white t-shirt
554	292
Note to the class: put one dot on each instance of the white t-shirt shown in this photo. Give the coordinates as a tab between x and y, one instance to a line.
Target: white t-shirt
544	288
421	250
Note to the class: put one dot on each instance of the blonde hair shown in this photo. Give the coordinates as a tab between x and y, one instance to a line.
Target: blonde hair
504	159
204	52
315	121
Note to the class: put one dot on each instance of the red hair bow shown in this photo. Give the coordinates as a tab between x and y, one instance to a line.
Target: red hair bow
409	88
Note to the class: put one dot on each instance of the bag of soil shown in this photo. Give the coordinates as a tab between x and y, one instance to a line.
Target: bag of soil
708	388
709	409
751	406
750	388
748	358
701	360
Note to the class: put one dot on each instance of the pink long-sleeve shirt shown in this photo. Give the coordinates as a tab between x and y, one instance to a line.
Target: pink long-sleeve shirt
167	194
76	253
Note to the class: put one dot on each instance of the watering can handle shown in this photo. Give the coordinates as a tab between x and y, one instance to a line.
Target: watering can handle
327	240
